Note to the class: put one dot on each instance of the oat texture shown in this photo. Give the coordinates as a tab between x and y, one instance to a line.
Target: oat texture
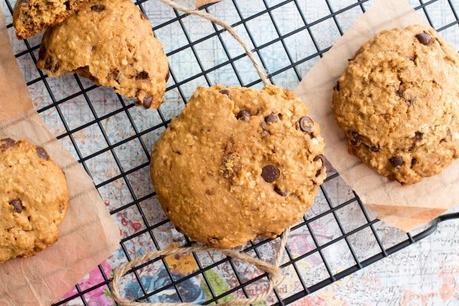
112	43
238	163
33	199
31	17
398	103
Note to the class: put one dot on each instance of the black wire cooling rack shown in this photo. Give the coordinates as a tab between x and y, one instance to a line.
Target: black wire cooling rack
285	66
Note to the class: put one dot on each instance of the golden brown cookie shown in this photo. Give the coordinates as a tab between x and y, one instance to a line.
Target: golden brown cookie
398	103
112	43
33	199
238	163
30	17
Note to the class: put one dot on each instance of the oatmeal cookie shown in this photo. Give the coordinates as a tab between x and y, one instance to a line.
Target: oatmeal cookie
33	199
398	103
238	163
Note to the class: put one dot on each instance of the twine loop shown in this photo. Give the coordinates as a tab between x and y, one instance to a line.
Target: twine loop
273	271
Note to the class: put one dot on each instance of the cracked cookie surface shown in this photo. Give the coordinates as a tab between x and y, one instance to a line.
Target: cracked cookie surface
110	42
398	103
33	199
30	17
238	163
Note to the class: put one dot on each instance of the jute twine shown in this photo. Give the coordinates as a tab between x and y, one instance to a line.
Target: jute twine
260	70
273	270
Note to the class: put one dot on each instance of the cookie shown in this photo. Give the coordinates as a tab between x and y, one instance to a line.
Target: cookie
31	17
112	43
398	103
33	199
237	164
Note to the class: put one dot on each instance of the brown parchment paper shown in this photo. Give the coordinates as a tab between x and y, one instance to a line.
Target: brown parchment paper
87	236
405	207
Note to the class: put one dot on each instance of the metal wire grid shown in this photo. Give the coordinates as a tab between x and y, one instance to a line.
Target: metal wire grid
296	66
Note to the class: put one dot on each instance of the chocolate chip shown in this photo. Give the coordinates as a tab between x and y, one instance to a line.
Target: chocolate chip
306	124
272	118
98	8
270	173
142	75
17	205
414	162
147	101
225	92
418	136
396	161
243	115
42	153
356	139
67	5
424	38
7	143
280	192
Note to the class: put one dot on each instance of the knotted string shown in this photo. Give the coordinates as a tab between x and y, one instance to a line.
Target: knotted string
260	70
273	270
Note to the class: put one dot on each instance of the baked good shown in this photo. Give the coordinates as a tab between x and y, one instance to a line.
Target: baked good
33	199
238	163
398	103
112	43
30	17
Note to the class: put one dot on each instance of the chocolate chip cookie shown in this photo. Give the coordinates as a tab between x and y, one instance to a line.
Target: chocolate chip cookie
33	199
30	17
112	43
398	103
238	163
